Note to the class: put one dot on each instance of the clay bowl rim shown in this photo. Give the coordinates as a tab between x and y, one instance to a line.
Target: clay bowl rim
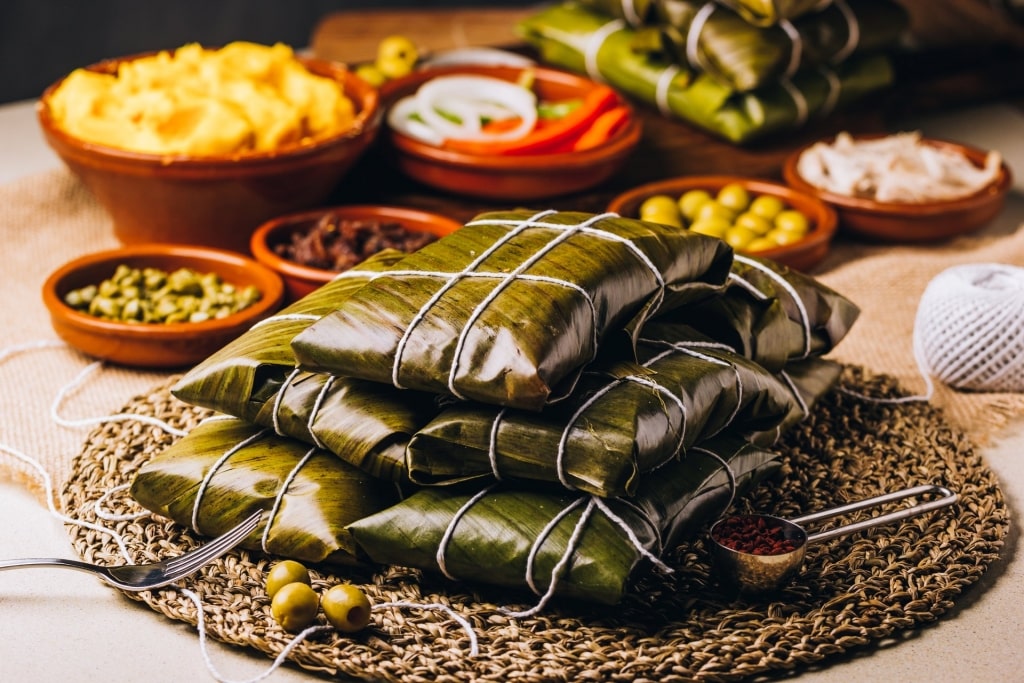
368	117
261	245
202	259
620	144
992	192
825	219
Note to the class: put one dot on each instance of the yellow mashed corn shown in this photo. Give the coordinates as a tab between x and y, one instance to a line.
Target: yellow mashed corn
243	97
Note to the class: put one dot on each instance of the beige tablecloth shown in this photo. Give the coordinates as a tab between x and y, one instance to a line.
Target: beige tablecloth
49	218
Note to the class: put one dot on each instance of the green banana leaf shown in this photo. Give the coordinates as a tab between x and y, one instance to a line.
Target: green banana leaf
225	469
768	313
770	12
517	535
635	13
724	44
623	421
509	309
639	13
570	37
254	378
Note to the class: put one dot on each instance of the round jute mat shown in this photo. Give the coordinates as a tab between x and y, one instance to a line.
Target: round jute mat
852	591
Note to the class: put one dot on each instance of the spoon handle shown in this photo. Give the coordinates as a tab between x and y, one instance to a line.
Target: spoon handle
948	498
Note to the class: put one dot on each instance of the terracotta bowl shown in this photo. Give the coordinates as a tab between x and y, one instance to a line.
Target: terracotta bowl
157	345
924	222
214	201
301	279
508	177
802	255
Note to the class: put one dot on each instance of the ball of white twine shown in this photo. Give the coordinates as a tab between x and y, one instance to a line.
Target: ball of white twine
969	329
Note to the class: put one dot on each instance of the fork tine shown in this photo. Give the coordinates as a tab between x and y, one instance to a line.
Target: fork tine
210	551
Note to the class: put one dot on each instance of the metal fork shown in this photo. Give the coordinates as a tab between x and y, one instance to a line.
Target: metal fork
141	577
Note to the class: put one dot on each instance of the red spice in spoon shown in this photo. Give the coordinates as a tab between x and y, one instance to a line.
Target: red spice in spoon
754	535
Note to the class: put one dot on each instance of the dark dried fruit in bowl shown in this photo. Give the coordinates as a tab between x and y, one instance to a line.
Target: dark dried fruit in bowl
334	243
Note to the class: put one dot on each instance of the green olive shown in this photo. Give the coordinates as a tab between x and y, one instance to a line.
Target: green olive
661	208
713	227
396	56
691	201
761	244
784	237
347	608
738	238
371	74
756	224
792	220
767	206
295	606
715	209
284	573
734	196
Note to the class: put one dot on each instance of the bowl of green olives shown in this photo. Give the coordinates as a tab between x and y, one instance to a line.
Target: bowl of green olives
158	305
754	216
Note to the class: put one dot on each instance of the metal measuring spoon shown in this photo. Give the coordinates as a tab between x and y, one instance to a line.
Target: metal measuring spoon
753	573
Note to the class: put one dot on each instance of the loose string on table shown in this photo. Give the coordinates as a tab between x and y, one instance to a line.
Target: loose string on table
49	492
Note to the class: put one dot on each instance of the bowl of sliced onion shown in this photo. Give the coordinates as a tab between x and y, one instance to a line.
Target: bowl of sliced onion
507	132
902	187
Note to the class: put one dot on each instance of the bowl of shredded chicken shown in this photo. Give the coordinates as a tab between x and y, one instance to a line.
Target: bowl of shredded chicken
903	186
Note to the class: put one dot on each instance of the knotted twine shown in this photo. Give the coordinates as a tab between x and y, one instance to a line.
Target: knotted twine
969	328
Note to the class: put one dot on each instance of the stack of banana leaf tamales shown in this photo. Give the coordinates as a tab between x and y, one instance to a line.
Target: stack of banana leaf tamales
739	69
543	401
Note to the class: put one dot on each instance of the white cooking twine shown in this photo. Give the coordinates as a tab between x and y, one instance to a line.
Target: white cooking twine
969	329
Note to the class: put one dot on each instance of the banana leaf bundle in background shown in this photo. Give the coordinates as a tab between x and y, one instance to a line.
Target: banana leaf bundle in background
723	44
769	12
510	308
623	421
254	378
514	535
574	38
768	313
757	12
225	469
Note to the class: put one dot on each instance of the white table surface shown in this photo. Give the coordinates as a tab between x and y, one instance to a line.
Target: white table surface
65	626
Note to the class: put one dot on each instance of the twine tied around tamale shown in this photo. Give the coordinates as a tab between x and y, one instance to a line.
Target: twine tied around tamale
630	12
593	47
784	285
591	503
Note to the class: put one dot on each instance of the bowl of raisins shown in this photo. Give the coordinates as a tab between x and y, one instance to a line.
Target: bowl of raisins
310	248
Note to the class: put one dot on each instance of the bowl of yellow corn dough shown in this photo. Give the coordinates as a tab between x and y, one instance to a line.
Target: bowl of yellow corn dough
201	145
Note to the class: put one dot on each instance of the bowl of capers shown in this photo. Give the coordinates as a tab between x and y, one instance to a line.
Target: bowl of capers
159	305
754	216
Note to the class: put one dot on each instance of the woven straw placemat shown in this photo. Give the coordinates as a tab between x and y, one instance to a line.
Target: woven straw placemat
853	590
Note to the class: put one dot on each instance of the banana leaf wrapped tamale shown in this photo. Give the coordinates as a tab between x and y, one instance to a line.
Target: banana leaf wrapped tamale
711	38
623	420
254	378
226	468
518	535
571	37
770	12
757	12
768	313
509	309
